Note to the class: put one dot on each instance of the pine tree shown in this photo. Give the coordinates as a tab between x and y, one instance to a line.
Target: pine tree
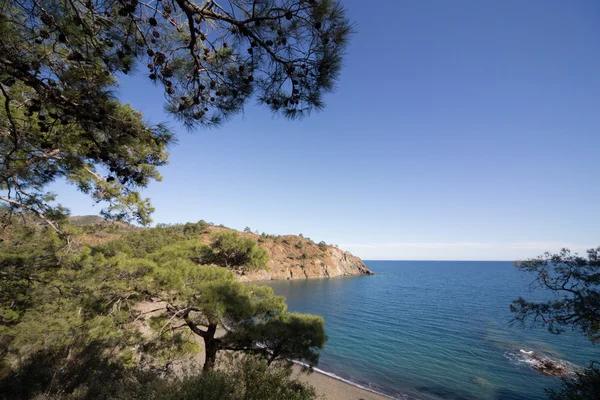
60	61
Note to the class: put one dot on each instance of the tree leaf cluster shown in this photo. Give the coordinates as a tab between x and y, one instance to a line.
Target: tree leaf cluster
573	283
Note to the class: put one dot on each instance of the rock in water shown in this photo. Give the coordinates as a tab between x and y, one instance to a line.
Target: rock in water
481	381
543	364
550	367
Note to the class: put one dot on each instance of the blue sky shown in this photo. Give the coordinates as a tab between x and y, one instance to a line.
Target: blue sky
459	130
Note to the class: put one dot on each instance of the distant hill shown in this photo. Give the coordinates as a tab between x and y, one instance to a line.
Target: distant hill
96	230
86	220
296	257
290	256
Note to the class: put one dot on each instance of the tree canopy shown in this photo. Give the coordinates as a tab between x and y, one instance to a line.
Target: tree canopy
574	283
61	61
142	302
230	249
253	318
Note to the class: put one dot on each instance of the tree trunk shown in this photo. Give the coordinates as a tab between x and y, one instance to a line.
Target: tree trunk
211	347
275	353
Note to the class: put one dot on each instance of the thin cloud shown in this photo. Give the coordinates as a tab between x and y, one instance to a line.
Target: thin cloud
552	245
468	245
424	245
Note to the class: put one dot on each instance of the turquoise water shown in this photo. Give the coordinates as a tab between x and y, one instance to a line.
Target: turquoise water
433	330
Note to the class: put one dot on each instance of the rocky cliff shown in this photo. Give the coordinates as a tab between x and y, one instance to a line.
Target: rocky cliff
294	257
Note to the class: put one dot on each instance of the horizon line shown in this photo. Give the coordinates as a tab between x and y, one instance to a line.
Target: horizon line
387	259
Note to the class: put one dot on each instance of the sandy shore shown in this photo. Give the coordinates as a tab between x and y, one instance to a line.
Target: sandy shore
330	388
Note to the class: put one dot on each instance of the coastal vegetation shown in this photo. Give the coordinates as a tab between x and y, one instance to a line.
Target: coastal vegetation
574	282
83	315
144	308
230	250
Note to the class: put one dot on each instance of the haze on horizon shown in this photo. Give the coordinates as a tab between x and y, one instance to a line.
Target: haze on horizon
458	132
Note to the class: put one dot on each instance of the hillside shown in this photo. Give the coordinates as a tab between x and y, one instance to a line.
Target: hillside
294	257
290	256
96	230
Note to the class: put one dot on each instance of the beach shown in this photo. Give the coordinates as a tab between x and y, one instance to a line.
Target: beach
334	389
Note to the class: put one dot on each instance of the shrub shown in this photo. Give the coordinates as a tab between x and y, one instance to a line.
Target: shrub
142	242
47	376
199	227
230	250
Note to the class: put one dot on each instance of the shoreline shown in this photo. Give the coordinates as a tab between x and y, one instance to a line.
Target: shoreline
332	387
241	278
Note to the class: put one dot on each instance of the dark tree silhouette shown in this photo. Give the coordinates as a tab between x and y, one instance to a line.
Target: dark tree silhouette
574	282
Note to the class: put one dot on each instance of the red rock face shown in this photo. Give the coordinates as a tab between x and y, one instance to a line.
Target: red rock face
294	257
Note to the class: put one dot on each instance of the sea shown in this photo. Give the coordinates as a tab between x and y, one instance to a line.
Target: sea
435	330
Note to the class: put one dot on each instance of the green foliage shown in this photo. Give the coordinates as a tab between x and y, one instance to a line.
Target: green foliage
61	62
94	376
323	246
85	220
67	309
248	379
584	386
190	250
229	249
168	344
287	336
85	374
197	228
29	257
214	294
53	296
256	320
211	385
143	242
256	380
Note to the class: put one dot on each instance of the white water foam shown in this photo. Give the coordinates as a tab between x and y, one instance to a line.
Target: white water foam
536	361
